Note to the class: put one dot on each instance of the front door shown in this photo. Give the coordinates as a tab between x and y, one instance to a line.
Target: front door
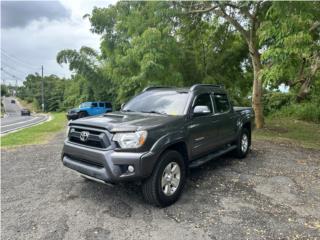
202	128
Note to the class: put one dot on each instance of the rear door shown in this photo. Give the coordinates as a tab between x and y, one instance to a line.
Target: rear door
108	107
203	131
225	116
101	107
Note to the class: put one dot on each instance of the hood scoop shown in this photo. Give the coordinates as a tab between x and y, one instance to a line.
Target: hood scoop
113	115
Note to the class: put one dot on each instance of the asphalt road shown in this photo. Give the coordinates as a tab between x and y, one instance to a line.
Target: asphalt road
14	120
274	193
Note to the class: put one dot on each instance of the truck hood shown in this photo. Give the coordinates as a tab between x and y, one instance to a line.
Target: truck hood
126	121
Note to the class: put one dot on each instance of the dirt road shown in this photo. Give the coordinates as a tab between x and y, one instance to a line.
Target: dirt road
272	194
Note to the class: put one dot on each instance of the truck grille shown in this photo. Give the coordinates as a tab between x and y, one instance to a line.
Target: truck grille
97	139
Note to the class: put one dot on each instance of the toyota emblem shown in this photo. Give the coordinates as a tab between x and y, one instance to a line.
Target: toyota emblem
84	135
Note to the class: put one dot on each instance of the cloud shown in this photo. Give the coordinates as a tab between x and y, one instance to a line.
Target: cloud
38	41
21	13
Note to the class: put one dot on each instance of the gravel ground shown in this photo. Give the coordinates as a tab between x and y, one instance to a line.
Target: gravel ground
272	194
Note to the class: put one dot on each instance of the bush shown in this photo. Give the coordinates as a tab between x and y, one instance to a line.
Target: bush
274	101
308	111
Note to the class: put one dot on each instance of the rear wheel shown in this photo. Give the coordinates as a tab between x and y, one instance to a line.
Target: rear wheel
165	185
243	144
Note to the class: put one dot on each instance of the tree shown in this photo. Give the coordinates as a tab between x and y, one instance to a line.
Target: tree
86	62
291	34
151	43
246	18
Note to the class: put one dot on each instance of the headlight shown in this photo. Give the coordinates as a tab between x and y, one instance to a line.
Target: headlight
130	139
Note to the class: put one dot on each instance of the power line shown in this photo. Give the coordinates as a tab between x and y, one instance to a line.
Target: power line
18	75
14	69
10	74
4	52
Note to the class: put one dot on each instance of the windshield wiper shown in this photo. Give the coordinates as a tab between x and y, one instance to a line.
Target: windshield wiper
162	113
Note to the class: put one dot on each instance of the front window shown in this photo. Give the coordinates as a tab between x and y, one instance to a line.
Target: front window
168	102
85	105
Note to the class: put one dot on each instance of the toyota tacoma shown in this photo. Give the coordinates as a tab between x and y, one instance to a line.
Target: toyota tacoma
156	137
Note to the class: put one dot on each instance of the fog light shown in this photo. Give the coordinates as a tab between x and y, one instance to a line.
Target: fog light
130	169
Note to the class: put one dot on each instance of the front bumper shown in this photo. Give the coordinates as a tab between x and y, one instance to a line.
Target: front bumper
72	116
107	165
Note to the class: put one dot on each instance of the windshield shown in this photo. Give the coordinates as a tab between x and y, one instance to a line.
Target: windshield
162	102
85	105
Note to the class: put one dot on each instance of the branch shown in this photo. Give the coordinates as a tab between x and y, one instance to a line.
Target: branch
314	26
234	22
219	11
241	9
203	10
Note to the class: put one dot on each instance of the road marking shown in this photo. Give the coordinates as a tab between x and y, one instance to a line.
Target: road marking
20	122
46	119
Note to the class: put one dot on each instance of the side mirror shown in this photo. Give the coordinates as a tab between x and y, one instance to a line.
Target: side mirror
122	105
201	110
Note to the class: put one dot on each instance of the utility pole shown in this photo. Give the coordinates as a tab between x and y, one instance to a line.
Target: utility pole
42	89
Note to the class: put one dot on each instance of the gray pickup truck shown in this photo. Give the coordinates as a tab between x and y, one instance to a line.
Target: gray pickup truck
156	137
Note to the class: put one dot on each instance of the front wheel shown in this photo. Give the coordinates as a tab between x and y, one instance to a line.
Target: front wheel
83	114
243	144
165	185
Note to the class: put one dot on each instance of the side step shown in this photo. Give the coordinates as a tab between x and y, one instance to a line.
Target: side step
203	160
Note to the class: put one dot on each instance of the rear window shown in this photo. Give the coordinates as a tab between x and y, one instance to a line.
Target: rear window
108	105
221	103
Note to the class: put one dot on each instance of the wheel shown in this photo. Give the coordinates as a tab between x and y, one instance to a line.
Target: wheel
243	144
83	114
165	185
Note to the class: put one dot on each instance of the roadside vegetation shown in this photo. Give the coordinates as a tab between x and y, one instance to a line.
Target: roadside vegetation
38	134
29	105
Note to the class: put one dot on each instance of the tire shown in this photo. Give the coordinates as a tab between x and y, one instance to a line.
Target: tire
243	144
83	114
163	179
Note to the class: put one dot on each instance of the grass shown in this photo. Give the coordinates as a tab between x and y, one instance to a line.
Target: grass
297	132
38	134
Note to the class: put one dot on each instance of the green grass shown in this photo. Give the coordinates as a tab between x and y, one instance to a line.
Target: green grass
292	131
38	134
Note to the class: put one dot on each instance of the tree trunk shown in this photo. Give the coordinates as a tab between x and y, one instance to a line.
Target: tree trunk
308	80
257	87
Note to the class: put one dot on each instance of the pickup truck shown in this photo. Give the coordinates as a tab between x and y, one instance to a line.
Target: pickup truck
89	109
156	137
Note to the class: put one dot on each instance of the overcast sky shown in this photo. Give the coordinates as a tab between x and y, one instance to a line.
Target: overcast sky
33	32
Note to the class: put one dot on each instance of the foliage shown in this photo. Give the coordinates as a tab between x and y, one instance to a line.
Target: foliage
274	101
307	111
4	90
53	91
290	36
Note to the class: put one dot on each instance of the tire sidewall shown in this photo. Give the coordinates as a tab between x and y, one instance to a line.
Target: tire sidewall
240	152
167	157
